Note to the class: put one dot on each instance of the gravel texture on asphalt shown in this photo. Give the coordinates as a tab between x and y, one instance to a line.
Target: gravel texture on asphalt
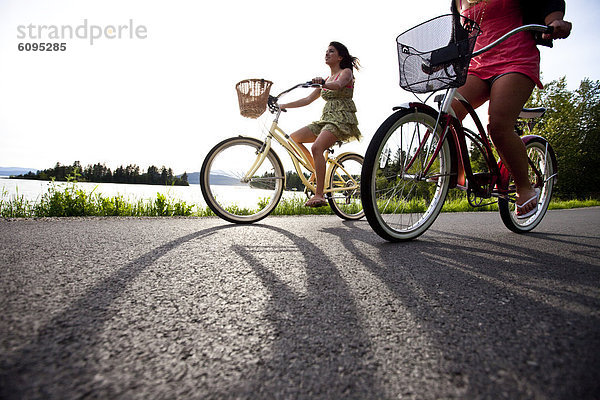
299	308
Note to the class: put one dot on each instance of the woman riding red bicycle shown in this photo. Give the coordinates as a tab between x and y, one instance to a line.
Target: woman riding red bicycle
507	74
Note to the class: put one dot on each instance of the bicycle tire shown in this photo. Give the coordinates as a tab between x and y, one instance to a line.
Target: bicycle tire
541	154
399	203
346	204
224	190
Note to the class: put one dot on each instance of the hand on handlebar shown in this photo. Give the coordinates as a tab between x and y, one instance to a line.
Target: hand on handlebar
315	82
274	106
560	29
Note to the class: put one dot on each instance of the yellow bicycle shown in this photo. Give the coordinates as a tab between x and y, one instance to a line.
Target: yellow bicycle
243	179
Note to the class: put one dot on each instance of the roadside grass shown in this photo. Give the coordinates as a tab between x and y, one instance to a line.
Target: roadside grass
70	201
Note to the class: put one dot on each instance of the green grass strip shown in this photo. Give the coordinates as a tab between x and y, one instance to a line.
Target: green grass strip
70	201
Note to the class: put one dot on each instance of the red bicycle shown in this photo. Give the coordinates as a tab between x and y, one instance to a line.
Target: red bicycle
419	153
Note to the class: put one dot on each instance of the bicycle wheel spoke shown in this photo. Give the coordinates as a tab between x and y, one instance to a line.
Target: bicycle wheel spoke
228	190
344	183
412	180
541	175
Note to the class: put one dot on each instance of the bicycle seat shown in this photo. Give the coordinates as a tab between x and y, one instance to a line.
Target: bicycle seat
528	113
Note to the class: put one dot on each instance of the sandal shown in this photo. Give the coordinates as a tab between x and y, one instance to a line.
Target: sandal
314	203
533	210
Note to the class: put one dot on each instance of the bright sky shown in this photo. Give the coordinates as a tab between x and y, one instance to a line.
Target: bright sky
167	97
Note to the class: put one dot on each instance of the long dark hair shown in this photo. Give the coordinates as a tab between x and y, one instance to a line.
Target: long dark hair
347	60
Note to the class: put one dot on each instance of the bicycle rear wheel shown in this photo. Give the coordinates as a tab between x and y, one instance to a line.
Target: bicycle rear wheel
401	196
346	204
224	188
542	171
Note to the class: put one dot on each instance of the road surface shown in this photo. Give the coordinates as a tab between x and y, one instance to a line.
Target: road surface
299	307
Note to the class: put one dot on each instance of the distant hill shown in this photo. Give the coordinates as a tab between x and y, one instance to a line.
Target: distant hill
8	171
194	179
224	180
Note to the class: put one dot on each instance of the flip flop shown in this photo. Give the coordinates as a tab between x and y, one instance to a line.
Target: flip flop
316	203
531	212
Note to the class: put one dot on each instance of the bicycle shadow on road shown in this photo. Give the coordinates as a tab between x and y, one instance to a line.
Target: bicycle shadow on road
363	318
588	250
55	364
502	318
319	347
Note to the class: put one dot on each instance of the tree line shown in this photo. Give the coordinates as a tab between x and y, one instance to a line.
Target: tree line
102	174
572	126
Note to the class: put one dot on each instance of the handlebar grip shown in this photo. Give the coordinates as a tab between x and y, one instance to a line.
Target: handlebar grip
310	84
307	84
549	30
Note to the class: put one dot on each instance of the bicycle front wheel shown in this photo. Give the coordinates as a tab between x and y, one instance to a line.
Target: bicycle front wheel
345	175
542	172
230	192
404	181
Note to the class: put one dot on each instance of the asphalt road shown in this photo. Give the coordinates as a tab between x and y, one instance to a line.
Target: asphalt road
299	307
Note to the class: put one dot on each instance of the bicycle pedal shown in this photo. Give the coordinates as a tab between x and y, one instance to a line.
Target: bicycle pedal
482	178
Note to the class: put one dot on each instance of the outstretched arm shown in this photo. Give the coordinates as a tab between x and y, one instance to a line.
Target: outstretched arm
303	102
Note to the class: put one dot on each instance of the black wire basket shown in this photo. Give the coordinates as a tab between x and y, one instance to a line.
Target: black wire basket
435	55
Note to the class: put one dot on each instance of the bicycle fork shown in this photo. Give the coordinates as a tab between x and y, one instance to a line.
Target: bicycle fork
261	154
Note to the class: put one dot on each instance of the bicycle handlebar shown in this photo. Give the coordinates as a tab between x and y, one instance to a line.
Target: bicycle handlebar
272	102
307	84
530	27
311	84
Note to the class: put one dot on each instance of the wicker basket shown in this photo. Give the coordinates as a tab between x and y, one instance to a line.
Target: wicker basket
253	95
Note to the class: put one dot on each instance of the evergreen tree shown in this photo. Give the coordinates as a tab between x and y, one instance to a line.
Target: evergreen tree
572	126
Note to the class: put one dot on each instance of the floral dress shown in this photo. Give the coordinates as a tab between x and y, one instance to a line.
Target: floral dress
339	115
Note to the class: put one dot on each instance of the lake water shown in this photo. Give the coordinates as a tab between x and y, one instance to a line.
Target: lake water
32	190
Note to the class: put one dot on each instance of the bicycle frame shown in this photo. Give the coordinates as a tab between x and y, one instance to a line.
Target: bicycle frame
494	184
298	158
419	152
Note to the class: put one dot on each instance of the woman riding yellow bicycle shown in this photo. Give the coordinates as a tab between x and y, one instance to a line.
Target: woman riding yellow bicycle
338	122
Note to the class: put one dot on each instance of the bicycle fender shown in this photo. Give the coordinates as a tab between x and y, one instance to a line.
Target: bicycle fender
415	106
345	154
528	138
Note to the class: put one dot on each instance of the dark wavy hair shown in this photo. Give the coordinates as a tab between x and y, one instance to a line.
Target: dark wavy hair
348	61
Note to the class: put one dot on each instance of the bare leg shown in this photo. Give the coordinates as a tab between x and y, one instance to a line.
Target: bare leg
476	91
301	136
508	95
324	141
